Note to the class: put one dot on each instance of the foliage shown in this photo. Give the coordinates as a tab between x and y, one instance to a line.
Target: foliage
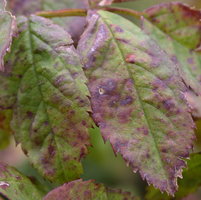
139	84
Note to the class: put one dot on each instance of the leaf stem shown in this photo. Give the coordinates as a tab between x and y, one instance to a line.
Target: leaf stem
83	12
125	11
62	13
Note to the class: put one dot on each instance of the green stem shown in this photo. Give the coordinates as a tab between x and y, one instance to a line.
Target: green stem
83	12
62	13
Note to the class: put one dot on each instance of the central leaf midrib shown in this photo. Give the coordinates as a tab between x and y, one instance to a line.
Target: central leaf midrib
139	97
39	89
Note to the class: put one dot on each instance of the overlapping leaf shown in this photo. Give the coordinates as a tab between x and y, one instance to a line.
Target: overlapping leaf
136	97
74	25
86	190
50	106
177	29
7	25
15	186
190	183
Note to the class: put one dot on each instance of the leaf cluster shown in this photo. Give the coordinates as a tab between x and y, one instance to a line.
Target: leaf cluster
139	84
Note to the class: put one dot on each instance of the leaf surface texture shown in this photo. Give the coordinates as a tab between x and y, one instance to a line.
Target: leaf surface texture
137	98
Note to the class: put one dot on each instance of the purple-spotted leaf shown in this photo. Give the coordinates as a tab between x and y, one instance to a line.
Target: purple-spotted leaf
86	190
7	26
137	98
177	29
15	186
51	106
189	184
74	25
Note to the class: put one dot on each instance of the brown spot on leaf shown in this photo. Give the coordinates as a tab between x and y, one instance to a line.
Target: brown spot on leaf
122	40
51	150
190	61
4	185
125	116
118	29
30	114
130	58
127	101
143	130
168	104
174	59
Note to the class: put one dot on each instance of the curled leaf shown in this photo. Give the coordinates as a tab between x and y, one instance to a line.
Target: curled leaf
7	26
194	102
177	29
86	190
137	98
51	105
15	186
190	182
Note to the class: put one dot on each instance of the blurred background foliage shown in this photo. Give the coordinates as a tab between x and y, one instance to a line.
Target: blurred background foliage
101	163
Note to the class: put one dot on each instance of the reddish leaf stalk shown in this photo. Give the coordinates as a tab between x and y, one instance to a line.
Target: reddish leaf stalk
62	13
83	12
125	11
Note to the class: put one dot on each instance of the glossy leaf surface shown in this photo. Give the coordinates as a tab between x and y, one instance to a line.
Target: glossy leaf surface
137	99
15	186
51	105
86	190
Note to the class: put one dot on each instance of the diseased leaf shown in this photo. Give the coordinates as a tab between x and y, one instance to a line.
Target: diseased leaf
177	29
7	25
5	131
137	99
51	107
190	183
86	190
8	88
179	21
27	7
74	25
15	186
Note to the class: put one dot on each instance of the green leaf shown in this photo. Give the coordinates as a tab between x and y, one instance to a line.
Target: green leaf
7	26
86	190
51	107
15	186
190	183
74	25
5	130
136	97
177	29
